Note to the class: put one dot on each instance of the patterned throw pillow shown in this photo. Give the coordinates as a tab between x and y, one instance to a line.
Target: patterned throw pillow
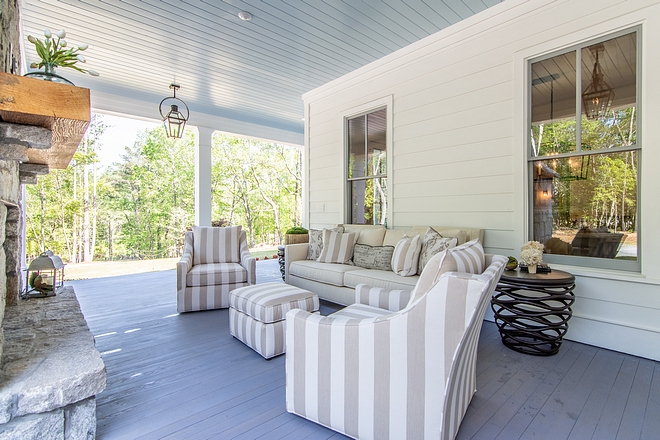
468	257
373	257
406	256
432	243
315	243
337	247
216	245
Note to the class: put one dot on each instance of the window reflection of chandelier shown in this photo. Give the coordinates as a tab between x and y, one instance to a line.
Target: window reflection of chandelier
597	97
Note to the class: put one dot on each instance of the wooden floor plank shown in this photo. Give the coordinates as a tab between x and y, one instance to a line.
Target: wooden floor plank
651	425
606	366
183	376
633	419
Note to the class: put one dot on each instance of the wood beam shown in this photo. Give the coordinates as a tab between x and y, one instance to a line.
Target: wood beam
61	108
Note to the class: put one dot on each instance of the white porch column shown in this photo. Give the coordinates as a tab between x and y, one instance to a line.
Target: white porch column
203	163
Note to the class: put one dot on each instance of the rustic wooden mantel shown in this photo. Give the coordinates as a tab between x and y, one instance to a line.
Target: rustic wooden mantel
61	108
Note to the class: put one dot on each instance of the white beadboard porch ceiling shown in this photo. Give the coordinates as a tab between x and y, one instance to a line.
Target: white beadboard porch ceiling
235	75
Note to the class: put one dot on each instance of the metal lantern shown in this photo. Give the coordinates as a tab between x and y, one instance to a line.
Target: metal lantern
174	121
597	97
44	276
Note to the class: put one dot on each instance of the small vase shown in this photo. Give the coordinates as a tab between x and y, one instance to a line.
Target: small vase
531	268
48	74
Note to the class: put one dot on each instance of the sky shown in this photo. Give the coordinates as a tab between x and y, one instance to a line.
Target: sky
121	133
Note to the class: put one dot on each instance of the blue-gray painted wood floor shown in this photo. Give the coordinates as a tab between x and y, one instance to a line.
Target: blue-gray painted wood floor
184	377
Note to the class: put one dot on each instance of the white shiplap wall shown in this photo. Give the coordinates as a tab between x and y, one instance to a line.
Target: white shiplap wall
459	108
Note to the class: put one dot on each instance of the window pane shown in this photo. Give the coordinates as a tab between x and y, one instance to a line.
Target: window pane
553	105
356	147
609	84
369	201
376	125
587	205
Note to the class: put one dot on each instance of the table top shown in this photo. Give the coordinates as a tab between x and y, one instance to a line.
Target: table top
537	279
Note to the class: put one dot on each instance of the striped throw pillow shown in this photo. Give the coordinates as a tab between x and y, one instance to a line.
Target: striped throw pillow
337	247
216	245
468	257
406	256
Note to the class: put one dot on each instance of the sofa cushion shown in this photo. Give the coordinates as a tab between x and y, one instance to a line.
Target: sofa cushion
337	247
213	274
216	245
432	243
406	256
373	257
460	234
371	236
392	236
315	243
379	278
321	272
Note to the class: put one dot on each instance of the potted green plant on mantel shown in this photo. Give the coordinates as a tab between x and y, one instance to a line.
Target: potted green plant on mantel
297	234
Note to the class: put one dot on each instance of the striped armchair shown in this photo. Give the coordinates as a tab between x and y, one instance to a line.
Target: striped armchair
382	368
215	261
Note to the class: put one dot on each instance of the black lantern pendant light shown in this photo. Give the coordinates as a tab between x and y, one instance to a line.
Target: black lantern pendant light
598	96
174	121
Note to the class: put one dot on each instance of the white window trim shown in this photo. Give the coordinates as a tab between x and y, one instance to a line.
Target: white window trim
385	102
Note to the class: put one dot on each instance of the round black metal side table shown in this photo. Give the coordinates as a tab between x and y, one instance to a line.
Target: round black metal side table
532	310
280	260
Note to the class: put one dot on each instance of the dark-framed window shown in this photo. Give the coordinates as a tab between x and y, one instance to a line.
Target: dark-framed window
584	171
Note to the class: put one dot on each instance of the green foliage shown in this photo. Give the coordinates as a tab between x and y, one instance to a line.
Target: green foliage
297	230
145	203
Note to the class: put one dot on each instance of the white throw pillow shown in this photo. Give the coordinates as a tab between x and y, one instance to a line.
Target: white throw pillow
337	247
432	243
406	256
315	243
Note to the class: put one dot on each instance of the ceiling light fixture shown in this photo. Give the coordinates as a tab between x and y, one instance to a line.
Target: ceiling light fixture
245	16
598	96
174	121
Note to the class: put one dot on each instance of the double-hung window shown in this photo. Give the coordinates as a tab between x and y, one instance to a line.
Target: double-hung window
366	139
584	171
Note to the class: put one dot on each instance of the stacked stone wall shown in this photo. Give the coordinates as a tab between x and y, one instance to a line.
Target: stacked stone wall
10	55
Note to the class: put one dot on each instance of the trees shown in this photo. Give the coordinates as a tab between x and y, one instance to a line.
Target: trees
141	206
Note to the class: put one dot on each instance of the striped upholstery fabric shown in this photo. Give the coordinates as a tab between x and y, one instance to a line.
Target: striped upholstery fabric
216	245
207	286
269	302
265	339
392	300
256	314
337	247
406	256
409	374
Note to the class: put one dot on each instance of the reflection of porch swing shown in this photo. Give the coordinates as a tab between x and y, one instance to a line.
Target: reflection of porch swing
584	164
583	173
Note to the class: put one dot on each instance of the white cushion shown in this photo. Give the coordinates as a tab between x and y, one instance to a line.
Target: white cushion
406	256
380	278
213	274
216	245
432	243
392	236
372	236
321	272
337	247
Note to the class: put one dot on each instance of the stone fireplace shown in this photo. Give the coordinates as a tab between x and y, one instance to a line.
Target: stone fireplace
50	370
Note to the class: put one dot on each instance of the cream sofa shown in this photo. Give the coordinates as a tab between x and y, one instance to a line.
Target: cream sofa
337	282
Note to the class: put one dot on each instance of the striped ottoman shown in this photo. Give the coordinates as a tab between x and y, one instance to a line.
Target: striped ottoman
257	312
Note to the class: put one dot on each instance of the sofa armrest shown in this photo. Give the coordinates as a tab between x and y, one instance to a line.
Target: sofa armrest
293	252
248	261
392	300
184	265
